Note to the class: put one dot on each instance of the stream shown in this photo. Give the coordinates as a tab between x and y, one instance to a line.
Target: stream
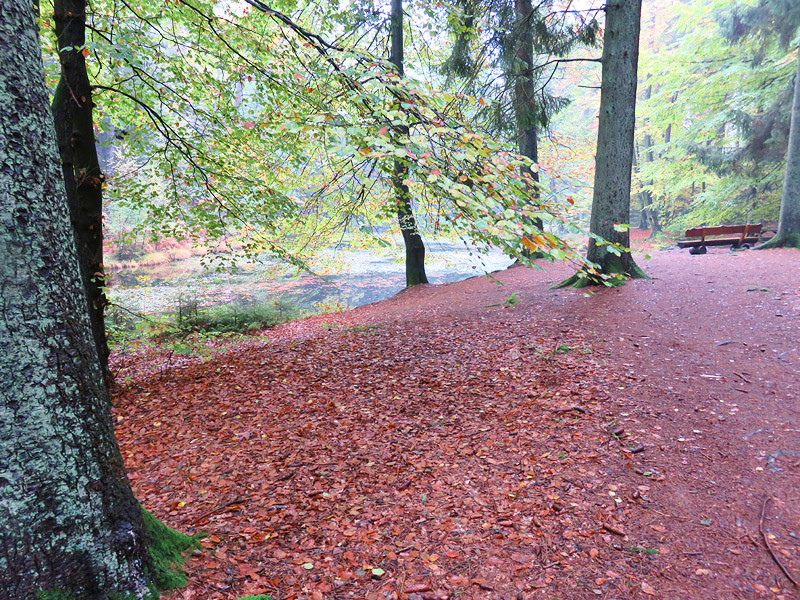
347	278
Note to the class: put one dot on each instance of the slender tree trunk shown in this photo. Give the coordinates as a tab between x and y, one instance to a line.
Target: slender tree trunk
655	221
612	183
788	234
69	518
645	196
460	63
415	248
525	102
648	218
72	110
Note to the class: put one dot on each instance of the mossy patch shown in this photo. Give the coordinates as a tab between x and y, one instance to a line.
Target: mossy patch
259	597
166	548
54	594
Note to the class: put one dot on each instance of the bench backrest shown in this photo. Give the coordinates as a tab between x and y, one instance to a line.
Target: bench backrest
749	229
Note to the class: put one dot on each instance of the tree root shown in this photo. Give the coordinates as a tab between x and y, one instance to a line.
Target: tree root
781	240
582	279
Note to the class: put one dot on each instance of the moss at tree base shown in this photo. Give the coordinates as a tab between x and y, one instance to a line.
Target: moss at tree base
166	548
782	240
54	595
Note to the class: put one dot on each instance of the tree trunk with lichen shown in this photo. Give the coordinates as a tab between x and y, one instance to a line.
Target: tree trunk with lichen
72	111
788	235
69	518
415	247
612	183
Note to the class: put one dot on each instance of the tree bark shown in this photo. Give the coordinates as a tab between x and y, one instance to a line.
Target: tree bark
69	518
415	247
788	234
612	183
72	110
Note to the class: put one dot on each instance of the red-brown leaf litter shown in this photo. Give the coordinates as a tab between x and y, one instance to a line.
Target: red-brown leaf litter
635	442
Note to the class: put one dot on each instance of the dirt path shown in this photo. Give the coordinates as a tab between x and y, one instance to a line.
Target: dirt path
440	445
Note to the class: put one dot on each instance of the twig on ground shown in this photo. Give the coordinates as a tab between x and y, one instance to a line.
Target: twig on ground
771	458
613	529
769	548
220	507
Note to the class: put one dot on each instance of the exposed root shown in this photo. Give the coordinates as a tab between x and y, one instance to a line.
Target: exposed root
781	240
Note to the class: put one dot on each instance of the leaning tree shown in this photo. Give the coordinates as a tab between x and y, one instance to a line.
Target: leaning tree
73	106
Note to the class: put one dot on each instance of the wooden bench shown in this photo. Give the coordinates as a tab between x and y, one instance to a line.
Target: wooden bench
743	236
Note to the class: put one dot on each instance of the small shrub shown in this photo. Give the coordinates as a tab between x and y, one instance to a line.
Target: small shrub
233	319
329	306
128	252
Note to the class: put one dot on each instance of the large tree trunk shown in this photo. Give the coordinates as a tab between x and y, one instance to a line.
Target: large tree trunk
612	182
525	101
415	248
789	224
69	518
72	110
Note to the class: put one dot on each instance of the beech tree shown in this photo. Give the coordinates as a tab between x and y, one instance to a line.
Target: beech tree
69	518
295	143
415	247
609	237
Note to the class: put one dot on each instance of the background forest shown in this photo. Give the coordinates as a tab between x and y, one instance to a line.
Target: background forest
251	129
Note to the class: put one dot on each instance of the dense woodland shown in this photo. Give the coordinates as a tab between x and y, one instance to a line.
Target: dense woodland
252	129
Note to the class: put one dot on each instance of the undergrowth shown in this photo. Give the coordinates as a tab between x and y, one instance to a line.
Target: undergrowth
233	319
190	320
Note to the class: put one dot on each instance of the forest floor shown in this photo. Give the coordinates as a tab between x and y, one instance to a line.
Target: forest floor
636	442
